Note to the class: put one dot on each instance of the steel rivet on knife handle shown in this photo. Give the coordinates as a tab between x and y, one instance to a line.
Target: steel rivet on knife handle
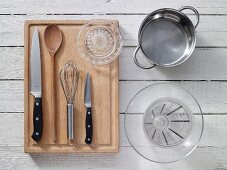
37	120
36	86
87	103
88	124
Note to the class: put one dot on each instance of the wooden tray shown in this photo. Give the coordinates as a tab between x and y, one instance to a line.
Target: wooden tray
104	80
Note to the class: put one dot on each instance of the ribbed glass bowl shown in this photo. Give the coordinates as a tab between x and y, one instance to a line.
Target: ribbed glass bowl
99	42
163	123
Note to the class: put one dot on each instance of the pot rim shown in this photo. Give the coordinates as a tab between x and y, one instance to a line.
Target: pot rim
192	47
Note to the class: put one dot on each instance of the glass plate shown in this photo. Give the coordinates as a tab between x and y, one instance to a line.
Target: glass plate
163	123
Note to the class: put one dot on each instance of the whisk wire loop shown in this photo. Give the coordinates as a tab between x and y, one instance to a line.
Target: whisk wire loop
69	77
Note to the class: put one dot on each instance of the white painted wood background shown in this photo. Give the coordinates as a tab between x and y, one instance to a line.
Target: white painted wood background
204	75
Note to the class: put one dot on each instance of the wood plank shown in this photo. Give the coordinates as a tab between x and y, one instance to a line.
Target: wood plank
210	94
202	158
12	96
108	6
214	132
208	35
14	129
12	63
204	64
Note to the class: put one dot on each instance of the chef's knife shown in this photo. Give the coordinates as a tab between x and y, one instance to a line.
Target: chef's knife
87	102
35	86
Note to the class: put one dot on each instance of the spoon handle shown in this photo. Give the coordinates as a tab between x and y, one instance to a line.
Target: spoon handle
53	100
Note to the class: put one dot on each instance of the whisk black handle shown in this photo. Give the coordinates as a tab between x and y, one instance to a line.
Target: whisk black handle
88	124
37	120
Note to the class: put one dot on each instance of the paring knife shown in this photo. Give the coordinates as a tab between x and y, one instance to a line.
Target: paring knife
87	102
35	86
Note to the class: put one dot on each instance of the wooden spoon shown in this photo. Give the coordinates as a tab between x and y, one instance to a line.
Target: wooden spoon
53	40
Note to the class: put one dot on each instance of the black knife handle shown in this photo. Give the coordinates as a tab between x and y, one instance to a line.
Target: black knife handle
88	125
37	120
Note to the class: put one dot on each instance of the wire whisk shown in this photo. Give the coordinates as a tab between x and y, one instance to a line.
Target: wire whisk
69	77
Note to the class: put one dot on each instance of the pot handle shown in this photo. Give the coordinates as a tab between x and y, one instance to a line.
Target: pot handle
137	63
193	10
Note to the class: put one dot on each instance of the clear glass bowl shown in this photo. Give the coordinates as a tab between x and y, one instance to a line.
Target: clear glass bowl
163	123
99	41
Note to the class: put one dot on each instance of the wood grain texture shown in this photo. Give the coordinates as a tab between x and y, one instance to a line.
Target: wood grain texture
53	39
208	35
104	88
210	94
214	134
204	64
12	92
211	153
108	6
204	158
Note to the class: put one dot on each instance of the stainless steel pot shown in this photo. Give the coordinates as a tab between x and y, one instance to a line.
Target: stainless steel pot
166	37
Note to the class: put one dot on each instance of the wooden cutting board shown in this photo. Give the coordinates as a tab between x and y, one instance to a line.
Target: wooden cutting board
104	81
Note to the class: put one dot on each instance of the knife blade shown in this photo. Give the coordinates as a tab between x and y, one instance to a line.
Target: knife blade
35	86
87	103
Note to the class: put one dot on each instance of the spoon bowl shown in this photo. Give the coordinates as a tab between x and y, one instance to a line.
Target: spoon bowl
52	38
